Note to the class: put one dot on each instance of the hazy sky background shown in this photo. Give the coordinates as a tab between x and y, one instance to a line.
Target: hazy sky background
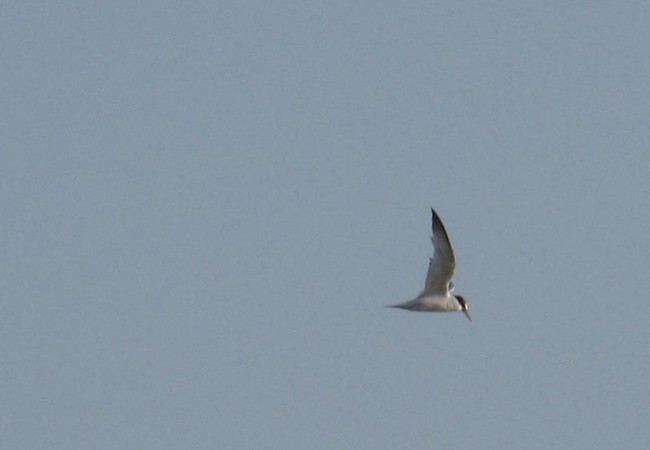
206	206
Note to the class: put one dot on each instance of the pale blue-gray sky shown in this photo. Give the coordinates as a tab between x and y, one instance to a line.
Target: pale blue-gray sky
205	208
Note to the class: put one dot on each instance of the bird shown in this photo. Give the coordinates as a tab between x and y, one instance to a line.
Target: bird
437	295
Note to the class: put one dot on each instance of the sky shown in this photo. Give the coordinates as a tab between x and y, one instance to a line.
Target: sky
206	207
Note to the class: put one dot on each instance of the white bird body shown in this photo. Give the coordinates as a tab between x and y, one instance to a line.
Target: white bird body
433	303
437	293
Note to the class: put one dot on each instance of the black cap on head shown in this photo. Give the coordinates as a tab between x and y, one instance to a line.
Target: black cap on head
463	306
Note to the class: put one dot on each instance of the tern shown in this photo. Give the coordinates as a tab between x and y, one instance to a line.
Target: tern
437	294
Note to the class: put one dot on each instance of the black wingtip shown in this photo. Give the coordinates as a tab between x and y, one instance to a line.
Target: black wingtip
436	224
434	216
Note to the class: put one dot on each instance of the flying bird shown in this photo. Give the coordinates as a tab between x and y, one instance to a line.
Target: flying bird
437	294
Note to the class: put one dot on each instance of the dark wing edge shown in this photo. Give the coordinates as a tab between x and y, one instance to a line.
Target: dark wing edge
437	228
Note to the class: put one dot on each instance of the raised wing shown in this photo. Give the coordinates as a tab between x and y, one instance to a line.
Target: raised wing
442	264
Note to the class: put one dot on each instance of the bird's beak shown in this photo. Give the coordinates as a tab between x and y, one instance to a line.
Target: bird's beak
466	311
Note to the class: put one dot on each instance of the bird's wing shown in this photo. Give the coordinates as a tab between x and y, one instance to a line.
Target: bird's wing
442	264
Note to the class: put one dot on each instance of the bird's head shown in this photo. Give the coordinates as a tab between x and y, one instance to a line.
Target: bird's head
464	307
